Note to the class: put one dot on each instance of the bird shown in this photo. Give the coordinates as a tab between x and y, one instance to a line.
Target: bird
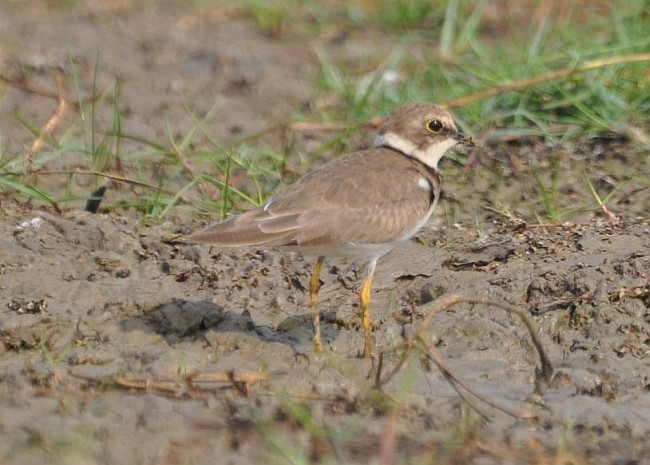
359	206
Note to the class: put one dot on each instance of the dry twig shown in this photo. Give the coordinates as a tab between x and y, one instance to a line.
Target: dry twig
193	383
494	91
544	373
19	84
113	177
543	78
53	122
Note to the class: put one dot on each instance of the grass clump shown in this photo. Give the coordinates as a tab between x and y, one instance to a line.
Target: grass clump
510	72
558	79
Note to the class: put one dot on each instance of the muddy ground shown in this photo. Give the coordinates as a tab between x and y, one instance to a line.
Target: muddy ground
118	347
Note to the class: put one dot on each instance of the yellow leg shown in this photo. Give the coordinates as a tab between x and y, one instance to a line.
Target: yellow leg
365	316
314	287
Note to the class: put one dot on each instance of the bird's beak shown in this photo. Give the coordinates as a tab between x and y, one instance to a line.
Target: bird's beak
467	141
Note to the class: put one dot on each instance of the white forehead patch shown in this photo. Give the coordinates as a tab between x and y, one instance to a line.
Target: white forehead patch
424	184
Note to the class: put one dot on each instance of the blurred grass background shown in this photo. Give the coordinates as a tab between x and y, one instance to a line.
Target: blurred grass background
450	50
539	78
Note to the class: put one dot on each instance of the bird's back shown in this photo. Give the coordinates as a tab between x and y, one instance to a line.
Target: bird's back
352	200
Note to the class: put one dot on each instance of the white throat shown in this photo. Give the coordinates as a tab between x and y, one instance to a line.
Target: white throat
430	156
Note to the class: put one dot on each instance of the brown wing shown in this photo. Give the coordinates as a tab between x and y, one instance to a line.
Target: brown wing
372	196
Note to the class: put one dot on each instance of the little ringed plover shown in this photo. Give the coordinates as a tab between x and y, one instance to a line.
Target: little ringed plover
359	206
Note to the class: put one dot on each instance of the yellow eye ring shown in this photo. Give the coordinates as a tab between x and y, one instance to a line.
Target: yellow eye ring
434	125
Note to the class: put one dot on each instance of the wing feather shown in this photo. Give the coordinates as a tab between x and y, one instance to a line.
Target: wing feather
373	196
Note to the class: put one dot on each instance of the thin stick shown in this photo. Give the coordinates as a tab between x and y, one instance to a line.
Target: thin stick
52	123
46	93
543	375
541	79
311	126
114	177
493	91
459	385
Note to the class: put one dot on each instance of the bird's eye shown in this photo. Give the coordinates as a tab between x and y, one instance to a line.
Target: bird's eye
434	125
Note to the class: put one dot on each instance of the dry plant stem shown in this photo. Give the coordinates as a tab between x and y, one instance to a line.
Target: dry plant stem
389	439
493	91
460	385
240	380
543	375
187	165
45	93
541	79
455	382
608	213
113	177
52	123
309	126
188	168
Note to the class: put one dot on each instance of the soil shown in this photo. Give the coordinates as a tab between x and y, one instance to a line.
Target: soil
119	346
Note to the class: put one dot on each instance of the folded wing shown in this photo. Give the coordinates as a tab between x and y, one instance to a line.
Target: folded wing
359	199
